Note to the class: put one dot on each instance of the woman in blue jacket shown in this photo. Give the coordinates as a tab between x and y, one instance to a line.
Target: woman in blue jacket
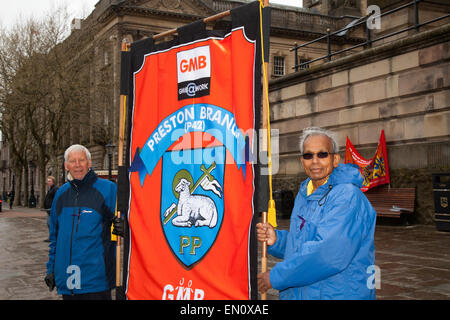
328	252
81	260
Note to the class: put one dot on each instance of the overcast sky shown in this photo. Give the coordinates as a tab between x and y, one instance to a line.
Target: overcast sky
295	3
10	10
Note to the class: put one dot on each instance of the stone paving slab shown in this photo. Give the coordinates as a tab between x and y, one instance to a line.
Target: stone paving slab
23	254
414	260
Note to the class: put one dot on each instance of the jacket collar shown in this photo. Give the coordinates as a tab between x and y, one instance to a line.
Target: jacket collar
87	180
320	191
344	173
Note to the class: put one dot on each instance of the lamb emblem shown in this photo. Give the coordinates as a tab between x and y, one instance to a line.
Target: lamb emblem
197	210
194	209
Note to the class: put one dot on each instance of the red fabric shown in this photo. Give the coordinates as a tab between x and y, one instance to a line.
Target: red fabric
374	171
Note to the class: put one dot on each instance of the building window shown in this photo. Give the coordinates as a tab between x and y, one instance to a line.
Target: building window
305	66
278	66
106	57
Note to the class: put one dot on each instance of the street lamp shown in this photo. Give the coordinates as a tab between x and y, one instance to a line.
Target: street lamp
4	187
63	173
110	151
32	200
12	193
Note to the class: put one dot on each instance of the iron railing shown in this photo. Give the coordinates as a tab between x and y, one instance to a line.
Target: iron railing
368	41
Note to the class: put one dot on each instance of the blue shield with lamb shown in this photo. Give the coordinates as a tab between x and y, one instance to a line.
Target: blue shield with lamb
192	201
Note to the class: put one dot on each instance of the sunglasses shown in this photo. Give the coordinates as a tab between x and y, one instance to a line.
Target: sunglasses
320	155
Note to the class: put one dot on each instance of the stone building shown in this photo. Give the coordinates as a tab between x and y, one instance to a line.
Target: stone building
400	85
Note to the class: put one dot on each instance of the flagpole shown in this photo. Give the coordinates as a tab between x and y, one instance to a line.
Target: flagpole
264	256
205	20
122	116
264	146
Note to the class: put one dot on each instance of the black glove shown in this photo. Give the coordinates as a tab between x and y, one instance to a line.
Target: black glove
50	281
119	226
120	293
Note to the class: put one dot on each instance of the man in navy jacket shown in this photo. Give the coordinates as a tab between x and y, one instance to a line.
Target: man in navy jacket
81	260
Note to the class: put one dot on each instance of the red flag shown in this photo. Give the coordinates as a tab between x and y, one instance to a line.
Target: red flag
192	187
375	171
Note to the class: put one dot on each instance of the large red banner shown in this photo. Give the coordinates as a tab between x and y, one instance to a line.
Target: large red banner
374	171
191	185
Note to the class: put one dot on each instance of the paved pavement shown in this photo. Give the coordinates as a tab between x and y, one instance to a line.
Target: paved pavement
414	260
23	254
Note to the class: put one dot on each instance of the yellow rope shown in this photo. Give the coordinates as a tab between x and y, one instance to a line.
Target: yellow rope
271	210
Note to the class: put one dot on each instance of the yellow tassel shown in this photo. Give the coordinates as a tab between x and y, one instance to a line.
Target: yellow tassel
113	236
272	214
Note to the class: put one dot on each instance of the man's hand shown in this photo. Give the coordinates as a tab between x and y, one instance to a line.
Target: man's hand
265	232
50	281
264	282
119	226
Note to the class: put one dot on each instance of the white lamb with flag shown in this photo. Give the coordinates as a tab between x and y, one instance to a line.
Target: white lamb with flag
197	210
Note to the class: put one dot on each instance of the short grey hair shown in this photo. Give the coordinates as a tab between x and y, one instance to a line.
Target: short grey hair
77	148
317	131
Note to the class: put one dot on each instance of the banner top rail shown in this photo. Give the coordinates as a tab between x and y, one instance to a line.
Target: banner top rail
205	20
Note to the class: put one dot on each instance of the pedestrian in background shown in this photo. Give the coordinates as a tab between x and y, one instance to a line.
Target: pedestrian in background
330	244
52	188
11	198
81	260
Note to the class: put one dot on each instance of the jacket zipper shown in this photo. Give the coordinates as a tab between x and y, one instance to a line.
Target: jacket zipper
78	222
73	222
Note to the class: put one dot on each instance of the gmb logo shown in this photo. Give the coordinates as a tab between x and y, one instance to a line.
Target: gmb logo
194	72
193	64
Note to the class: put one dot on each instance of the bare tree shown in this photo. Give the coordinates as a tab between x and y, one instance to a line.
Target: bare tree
53	92
14	47
42	90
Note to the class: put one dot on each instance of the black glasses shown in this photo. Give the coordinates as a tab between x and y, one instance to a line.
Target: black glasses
320	155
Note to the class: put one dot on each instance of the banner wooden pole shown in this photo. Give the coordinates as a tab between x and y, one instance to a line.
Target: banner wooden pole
264	146
206	20
122	116
264	255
